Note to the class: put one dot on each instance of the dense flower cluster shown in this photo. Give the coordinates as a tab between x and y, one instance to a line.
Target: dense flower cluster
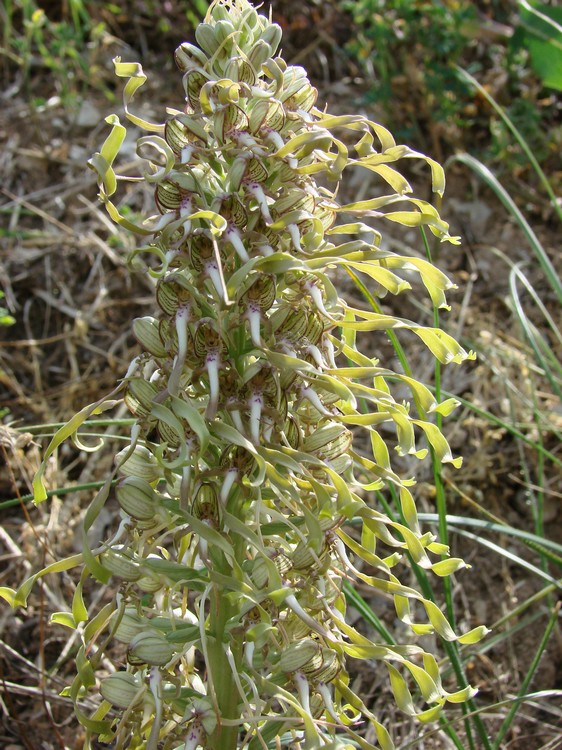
240	477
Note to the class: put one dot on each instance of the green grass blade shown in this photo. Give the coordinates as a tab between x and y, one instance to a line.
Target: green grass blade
499	422
540	305
526	536
51	427
464	75
512	557
517	611
355	599
487	176
528	677
541	349
538	696
54	493
451	649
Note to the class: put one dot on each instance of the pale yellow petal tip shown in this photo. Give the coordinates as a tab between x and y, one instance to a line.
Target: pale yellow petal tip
39	491
453	239
474	636
9	595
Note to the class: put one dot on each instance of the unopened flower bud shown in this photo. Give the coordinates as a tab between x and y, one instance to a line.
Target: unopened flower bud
136	497
151	648
122	689
299	654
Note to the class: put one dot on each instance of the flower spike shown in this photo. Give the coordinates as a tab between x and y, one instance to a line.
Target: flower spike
260	427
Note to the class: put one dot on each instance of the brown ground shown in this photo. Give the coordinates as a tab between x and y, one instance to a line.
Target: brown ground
63	270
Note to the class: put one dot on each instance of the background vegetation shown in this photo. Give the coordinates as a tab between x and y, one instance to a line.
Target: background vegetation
475	85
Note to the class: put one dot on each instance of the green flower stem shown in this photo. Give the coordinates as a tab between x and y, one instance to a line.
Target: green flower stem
225	736
451	649
224	608
441	502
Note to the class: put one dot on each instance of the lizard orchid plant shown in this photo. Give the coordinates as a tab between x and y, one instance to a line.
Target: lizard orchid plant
244	505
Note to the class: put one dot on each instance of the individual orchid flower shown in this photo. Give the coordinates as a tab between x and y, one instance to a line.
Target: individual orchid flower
257	191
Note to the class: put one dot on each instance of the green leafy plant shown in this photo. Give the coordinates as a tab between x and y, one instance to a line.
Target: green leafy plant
5	318
540	32
32	40
242	491
409	49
